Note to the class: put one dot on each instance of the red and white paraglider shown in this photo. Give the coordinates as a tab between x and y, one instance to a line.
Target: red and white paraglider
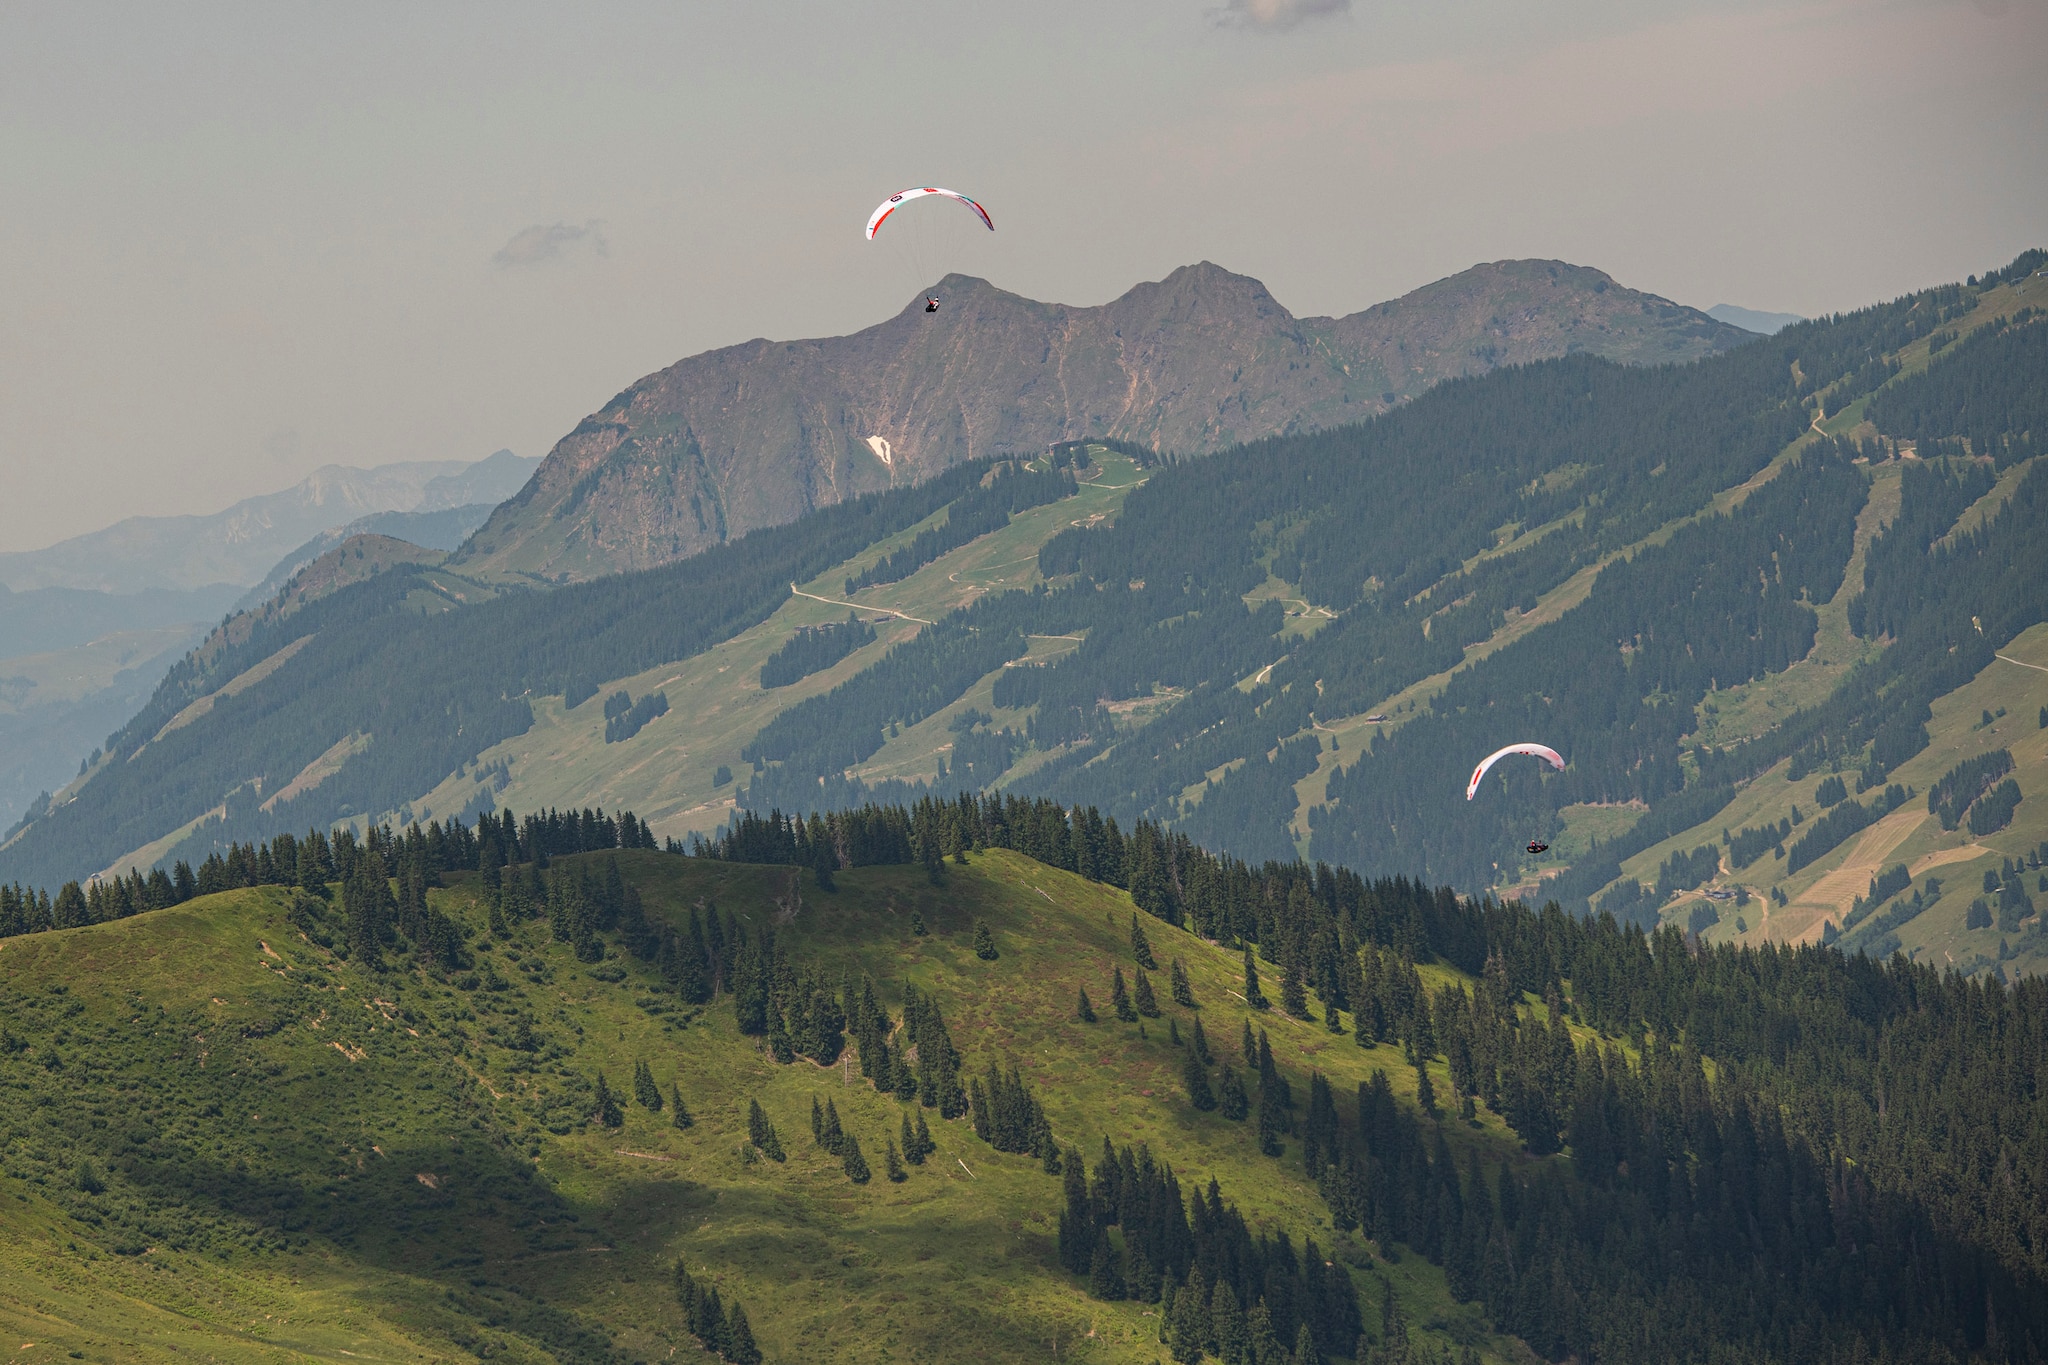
897	201
925	242
1548	755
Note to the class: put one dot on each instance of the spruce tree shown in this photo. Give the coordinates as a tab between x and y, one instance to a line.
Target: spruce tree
1272	1121
608	1112
1293	991
917	923
1200	1043
739	1338
1425	1090
1252	995
1142	996
831	1136
892	1164
644	1088
677	1114
1173	1032
1141	947
779	1045
1262	1343
1305	1352
1196	1077
1105	1271
1232	1100
1250	1048
1120	999
1183	989
817	1121
984	942
1085	1011
1187	1322
925	1145
856	1165
761	1133
1226	1322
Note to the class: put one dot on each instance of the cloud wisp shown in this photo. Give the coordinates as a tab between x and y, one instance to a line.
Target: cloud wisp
545	242
1274	16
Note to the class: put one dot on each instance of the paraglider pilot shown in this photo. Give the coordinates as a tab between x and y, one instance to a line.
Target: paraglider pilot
931	305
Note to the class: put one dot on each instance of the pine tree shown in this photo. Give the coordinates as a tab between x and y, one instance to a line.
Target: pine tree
1183	989
1293	991
1425	1090
644	1089
1250	1048
1105	1273
850	1158
1252	996
779	1045
925	1145
677	1114
1085	1011
831	1136
1196	1077
1187	1325
1120	999
984	942
1142	996
761	1133
1232	1100
607	1111
1272	1121
1226	1322
1262	1344
892	1164
1200	1043
739	1338
1141	947
1305	1352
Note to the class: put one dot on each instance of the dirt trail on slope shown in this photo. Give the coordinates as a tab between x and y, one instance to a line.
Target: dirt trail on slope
1833	894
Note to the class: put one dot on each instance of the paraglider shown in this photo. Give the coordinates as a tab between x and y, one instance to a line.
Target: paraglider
1535	847
929	241
1548	755
896	201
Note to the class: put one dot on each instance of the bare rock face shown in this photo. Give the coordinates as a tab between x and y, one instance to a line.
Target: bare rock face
758	434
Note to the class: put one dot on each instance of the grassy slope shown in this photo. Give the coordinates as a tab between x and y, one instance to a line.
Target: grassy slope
954	1264
717	704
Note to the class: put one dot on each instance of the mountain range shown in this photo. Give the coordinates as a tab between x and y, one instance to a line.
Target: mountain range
242	543
1686	577
89	625
758	434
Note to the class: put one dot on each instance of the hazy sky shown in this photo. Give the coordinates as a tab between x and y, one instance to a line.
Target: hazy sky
240	241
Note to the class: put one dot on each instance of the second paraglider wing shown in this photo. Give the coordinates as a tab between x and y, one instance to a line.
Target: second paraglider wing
1548	755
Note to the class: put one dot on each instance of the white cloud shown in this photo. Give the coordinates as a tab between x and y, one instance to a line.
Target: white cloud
551	242
1274	16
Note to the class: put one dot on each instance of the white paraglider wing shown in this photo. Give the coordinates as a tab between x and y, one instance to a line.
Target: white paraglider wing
897	201
1550	756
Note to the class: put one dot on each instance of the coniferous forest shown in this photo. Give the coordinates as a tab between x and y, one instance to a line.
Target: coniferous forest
1720	1153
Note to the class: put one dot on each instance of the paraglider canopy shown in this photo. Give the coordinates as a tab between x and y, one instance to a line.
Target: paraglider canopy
897	201
1549	755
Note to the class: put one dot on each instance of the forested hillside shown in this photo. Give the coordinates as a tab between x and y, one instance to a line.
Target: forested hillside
1714	587
529	1089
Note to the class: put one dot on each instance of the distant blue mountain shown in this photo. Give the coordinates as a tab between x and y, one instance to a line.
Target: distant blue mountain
1750	320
